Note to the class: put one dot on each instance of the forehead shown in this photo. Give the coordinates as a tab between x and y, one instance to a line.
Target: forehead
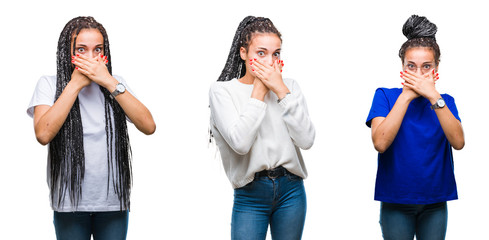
268	40
89	36
419	55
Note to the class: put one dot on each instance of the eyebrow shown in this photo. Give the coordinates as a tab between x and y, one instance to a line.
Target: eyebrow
422	63
264	48
84	45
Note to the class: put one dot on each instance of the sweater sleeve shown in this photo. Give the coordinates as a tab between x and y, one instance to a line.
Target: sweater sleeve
296	117
239	129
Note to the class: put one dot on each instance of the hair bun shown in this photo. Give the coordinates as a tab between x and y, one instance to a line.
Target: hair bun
419	27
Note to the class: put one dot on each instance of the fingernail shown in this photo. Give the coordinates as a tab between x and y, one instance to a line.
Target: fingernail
405	71
72	61
253	70
76	68
251	63
401	73
280	70
433	71
254	59
282	64
402	83
77	55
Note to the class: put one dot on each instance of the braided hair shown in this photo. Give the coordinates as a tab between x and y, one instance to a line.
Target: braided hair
235	66
66	152
420	32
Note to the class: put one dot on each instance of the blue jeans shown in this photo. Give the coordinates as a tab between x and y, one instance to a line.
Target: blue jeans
81	225
403	221
280	202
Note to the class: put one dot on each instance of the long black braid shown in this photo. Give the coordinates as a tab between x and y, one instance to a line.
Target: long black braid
66	152
420	32
235	66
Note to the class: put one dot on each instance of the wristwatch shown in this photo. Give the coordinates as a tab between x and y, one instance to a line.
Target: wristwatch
440	103
119	89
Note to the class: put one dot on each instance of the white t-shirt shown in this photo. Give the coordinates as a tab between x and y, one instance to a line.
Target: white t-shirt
253	135
92	110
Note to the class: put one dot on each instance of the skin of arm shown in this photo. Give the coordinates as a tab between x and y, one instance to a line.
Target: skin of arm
49	119
384	130
300	127
424	85
96	70
271	76
259	90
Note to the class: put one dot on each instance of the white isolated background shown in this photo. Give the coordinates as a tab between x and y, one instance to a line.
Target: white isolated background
171	51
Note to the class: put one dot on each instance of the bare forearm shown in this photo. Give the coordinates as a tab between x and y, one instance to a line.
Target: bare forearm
49	120
137	112
384	131
451	127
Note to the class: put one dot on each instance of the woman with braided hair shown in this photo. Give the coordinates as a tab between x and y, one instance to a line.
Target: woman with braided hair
81	113
414	129
259	122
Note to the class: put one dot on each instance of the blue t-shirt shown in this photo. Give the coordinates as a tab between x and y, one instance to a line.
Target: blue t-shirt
418	166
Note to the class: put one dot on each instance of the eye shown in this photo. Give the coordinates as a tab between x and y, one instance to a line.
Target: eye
427	66
411	66
277	54
261	53
81	50
98	50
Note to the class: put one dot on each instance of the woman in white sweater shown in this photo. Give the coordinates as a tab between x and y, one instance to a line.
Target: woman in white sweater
260	121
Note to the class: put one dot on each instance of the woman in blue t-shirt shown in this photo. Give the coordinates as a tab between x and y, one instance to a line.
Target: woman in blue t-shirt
414	129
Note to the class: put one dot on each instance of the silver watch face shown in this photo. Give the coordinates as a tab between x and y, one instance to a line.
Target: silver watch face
120	88
440	102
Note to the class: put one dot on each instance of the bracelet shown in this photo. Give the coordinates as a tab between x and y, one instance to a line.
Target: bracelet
278	100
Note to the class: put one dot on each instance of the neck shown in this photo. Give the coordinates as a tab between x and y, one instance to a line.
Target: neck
247	79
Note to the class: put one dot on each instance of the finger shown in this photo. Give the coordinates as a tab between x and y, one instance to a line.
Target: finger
409	73
275	65
83	57
258	65
80	63
82	71
80	59
259	75
405	75
257	70
280	65
408	85
408	80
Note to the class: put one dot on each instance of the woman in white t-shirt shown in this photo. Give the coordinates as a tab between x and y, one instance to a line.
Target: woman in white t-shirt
260	121
81	113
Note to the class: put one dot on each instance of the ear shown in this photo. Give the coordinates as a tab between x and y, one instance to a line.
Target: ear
242	53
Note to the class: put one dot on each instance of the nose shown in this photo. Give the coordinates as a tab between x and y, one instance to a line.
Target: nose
269	60
90	54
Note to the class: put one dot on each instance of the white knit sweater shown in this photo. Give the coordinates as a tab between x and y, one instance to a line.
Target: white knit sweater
253	135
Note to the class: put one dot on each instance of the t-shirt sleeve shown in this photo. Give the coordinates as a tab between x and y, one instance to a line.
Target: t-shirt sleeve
43	94
450	101
380	106
123	81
